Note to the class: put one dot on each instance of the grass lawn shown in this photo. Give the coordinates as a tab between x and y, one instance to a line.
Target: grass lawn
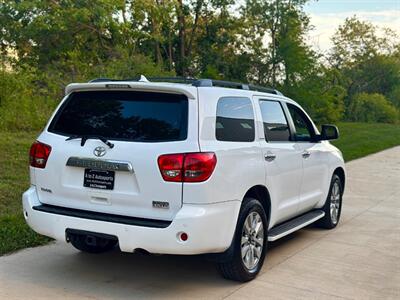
14	180
356	140
360	139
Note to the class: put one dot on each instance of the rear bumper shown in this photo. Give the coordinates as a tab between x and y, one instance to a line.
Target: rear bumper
210	227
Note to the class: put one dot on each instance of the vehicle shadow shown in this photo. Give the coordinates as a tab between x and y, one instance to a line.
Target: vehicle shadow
117	275
121	275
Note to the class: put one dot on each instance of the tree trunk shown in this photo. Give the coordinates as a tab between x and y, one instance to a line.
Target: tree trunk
156	34
273	77
199	5
169	50
181	66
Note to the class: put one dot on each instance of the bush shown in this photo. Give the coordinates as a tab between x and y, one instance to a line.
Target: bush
372	108
394	96
22	106
28	96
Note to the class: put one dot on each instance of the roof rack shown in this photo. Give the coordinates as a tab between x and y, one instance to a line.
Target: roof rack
187	80
198	83
234	85
178	79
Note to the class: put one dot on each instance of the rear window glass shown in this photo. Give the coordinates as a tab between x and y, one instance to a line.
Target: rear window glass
123	115
235	120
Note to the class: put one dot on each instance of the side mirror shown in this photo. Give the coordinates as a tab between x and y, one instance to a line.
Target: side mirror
329	132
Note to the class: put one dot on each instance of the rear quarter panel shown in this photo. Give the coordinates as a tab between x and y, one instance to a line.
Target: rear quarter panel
239	164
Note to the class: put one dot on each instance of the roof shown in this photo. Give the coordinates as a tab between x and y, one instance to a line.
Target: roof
182	85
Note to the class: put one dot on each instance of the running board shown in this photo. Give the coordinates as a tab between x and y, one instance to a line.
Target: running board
294	224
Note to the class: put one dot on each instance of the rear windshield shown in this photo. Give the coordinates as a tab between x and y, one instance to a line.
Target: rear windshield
123	115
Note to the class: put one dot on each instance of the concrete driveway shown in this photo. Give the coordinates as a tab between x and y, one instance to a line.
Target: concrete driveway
359	259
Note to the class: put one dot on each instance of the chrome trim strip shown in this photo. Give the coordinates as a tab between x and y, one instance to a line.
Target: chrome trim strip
99	164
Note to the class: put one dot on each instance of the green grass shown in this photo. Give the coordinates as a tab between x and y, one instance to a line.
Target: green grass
360	139
14	180
356	140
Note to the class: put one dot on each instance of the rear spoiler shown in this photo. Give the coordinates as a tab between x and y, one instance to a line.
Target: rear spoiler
187	90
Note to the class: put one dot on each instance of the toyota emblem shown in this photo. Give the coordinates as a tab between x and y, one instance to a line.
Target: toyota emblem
99	151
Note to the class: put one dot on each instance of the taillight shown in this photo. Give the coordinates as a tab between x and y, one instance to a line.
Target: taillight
187	167
198	166
39	154
171	167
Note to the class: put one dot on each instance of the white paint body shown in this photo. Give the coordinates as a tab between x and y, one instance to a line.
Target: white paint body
206	211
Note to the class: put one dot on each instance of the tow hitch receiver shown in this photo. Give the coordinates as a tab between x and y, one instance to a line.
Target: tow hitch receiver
91	238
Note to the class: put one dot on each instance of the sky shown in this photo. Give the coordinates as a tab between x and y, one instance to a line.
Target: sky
327	15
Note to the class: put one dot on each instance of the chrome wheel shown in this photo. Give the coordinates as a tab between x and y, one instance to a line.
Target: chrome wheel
335	202
252	241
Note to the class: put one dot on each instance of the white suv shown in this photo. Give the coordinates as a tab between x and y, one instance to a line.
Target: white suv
199	167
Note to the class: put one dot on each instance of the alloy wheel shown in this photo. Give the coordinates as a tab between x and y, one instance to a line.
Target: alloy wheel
252	241
335	202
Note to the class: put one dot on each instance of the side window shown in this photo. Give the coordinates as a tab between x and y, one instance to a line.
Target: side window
275	124
235	120
303	126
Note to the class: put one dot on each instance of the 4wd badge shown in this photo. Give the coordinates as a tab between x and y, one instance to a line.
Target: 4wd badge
161	204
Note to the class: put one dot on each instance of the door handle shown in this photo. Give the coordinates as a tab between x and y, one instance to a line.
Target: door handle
269	156
306	154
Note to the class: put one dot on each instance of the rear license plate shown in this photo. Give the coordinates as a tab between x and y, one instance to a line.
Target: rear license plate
99	179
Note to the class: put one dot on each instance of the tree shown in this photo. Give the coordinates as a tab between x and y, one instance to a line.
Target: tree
367	62
44	31
283	24
357	41
372	108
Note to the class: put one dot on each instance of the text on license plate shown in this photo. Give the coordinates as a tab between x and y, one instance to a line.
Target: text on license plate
99	179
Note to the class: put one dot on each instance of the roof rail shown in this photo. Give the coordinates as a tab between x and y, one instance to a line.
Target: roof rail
101	80
234	85
199	83
177	79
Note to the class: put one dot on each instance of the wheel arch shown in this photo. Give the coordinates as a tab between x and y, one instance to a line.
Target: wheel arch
261	193
339	171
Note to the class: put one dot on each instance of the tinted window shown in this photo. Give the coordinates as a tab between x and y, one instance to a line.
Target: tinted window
235	120
304	129
123	115
275	124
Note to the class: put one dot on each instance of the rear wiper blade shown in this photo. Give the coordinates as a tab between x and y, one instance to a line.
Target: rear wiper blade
84	138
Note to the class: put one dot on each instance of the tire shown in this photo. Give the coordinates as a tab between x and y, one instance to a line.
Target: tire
92	244
333	204
245	269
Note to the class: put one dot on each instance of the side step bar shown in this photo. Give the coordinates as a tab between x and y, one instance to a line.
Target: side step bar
294	224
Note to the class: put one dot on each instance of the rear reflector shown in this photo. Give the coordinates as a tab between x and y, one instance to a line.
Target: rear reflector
38	155
187	167
183	236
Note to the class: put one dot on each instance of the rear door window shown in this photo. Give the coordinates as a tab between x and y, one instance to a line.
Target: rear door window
235	120
123	115
276	127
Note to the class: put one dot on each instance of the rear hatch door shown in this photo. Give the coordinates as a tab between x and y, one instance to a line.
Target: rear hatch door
123	177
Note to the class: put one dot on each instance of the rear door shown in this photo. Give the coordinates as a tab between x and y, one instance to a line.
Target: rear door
282	160
124	179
